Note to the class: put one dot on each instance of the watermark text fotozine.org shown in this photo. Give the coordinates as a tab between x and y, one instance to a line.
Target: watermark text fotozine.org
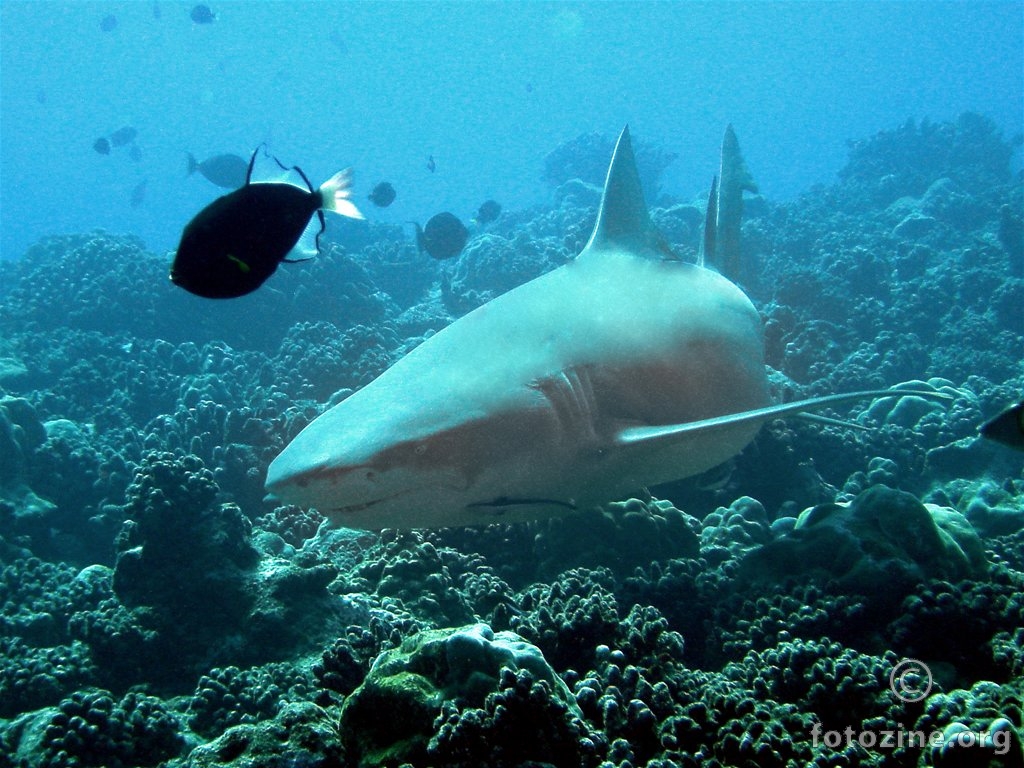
899	738
911	681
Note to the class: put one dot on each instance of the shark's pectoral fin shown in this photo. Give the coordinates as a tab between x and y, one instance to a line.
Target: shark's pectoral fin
827	420
670	433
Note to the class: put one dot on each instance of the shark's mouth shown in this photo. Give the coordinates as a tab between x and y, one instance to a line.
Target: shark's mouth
506	501
498	505
353	508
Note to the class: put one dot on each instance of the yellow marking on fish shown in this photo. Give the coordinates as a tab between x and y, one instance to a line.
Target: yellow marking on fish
241	264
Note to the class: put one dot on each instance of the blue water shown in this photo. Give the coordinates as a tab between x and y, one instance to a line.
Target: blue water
488	89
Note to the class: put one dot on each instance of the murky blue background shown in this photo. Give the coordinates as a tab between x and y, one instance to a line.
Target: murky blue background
488	89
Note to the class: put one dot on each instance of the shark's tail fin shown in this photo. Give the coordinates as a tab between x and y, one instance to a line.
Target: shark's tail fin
734	179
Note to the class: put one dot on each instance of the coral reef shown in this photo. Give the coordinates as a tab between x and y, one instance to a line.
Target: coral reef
229	696
156	610
179	549
494	732
302	734
882	544
490	265
93	728
390	716
569	618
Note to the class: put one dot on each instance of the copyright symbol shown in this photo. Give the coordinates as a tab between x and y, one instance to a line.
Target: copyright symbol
910	680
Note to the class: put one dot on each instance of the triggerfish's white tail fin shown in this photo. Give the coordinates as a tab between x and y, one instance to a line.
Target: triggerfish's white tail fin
337	195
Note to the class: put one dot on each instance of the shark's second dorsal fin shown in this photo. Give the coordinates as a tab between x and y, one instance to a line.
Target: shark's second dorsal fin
706	255
623	222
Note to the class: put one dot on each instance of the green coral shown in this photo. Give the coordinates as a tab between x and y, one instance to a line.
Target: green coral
389	718
302	735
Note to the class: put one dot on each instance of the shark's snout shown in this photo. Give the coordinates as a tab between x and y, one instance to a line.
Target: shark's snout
303	482
343	490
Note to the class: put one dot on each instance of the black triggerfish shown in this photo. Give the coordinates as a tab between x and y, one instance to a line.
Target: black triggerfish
236	242
488	212
443	237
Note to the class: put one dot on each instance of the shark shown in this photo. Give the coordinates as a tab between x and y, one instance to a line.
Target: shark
624	368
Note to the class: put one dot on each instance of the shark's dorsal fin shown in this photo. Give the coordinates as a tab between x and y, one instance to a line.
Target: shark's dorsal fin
706	256
623	222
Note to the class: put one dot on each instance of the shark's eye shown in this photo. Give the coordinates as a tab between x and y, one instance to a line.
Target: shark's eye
420	449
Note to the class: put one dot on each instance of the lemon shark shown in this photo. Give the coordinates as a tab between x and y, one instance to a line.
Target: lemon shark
623	368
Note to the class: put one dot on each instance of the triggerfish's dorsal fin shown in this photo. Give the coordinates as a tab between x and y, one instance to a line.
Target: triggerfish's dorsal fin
252	164
623	222
1007	427
734	179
